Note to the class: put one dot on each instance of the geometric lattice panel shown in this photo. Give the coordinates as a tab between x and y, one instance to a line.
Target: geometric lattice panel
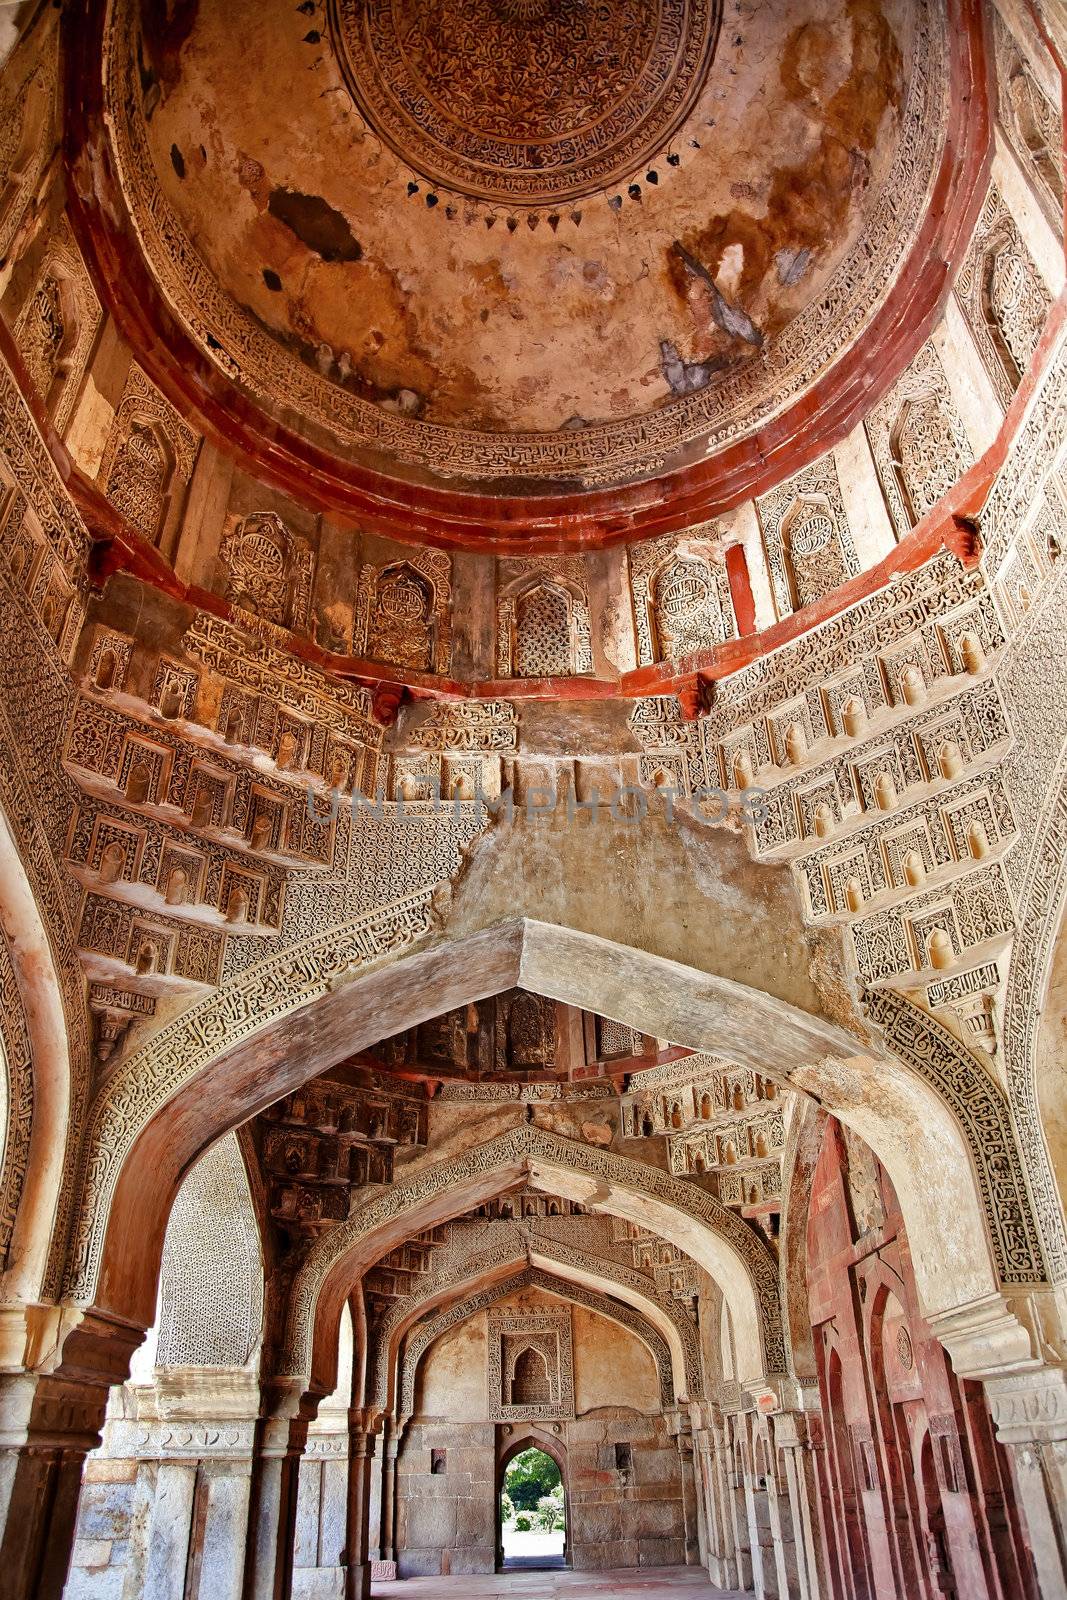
211	1286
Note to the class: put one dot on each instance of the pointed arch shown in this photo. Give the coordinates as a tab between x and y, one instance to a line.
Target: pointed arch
340	995
714	1236
566	1264
428	1329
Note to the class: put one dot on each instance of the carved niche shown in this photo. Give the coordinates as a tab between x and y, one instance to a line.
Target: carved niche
1003	297
531	1366
681	597
403	612
27	134
148	458
543	628
1031	121
57	326
810	550
269	570
918	441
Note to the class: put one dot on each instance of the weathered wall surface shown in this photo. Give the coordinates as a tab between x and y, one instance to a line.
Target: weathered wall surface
621	1513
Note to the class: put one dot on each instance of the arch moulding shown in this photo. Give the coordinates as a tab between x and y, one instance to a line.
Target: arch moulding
715	1237
565	1264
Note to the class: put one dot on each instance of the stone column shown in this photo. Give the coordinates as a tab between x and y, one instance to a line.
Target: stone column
712	1442
322	1509
1001	1343
48	1424
385	1566
281	1434
797	1437
681	1428
739	1497
763	1527
1029	1412
360	1467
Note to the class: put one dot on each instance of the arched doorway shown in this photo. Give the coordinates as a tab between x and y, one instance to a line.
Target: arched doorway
532	1509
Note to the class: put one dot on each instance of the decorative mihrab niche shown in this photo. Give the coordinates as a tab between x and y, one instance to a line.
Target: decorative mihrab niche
531	1366
525	102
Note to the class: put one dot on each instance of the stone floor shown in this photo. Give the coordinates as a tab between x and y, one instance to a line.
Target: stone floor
673	1583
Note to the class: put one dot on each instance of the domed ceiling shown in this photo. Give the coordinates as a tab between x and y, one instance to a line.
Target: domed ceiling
525	242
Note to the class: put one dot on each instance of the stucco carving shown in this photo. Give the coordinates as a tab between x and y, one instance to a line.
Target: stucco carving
809	544
403	612
149	454
268	570
530	1365
681	596
986	1123
211	1279
1003	297
918	441
600	94
542	619
58	324
1031	120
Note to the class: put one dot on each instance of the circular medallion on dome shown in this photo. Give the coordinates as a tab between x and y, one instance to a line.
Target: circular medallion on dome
525	102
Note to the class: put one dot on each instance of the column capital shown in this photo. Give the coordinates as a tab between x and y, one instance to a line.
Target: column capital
1029	1407
989	1336
797	1430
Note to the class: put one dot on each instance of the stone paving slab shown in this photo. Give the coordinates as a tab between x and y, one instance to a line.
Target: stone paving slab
677	1583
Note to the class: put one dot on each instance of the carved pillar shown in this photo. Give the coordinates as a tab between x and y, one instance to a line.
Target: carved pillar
281	1434
48	1424
764	1536
722	1555
1029	1412
360	1467
320	1546
46	1431
797	1437
684	1436
738	1478
385	1567
700	1469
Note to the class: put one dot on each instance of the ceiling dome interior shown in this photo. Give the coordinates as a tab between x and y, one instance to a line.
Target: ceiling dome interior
528	240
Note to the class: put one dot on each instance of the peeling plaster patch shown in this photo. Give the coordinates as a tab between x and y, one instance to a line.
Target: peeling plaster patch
316	223
684	376
731	266
792	265
513	329
730	318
